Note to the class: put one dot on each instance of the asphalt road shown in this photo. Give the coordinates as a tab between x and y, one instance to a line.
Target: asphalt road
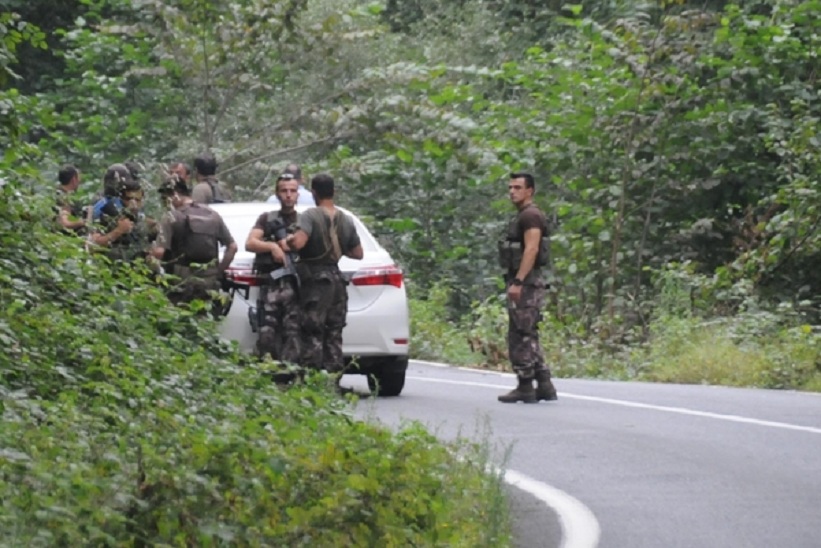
647	465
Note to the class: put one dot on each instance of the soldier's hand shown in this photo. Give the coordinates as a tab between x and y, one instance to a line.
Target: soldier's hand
514	292
283	243
125	225
277	254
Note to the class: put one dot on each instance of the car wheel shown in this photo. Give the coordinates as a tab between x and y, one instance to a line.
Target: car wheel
388	380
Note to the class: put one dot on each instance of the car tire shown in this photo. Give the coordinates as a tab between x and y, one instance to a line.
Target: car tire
389	380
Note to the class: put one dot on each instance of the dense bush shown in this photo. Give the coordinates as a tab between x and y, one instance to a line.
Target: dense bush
126	421
687	341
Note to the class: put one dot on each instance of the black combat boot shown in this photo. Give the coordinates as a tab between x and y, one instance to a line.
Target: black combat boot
544	386
524	393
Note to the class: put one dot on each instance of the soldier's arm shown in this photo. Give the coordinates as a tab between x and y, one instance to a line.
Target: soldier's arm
124	226
353	245
302	231
355	253
164	235
256	244
297	240
228	256
224	237
532	239
64	218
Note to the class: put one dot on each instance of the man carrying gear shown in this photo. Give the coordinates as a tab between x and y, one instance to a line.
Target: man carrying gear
71	216
188	244
123	227
278	305
523	253
208	190
324	234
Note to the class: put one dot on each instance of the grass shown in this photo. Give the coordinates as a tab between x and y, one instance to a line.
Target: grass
753	349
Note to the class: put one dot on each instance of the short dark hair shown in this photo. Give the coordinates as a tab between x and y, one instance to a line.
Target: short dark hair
206	164
184	165
67	173
286	176
294	170
323	186
529	181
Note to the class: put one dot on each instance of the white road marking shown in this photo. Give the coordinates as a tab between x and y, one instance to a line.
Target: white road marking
637	405
580	529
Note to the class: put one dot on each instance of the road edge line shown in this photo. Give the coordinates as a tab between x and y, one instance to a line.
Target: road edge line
580	528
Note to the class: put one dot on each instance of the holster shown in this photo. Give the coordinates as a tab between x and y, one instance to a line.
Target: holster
256	316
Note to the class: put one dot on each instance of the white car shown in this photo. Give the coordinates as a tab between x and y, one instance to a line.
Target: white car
376	338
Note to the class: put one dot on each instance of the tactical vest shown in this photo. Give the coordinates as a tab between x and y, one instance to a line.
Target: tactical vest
199	236
512	247
264	262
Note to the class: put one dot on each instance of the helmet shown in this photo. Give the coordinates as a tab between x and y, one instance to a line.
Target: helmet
134	168
116	179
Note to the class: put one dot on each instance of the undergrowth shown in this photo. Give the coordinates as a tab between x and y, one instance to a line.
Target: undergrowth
127	422
755	347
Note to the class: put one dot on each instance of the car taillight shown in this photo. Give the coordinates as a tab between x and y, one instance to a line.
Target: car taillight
242	276
380	275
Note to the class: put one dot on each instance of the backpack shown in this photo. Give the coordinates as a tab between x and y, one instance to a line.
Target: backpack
329	230
201	226
217	195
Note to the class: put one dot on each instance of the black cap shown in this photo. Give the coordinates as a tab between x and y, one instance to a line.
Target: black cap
287	176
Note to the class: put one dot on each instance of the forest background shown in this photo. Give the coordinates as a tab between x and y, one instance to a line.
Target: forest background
675	146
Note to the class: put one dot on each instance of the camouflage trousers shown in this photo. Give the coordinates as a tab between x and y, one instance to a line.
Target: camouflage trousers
194	285
523	345
323	307
279	327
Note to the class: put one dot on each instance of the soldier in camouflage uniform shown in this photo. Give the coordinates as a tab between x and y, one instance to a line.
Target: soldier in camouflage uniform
324	234
121	225
278	302
188	244
523	253
208	189
71	216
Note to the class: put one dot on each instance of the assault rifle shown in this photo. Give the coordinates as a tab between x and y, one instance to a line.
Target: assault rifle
279	231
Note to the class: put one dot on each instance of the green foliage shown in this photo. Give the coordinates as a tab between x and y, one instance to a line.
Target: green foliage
750	350
435	336
128	421
15	33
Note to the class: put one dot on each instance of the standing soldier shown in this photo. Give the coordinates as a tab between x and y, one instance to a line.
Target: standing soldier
278	299
191	234
305	197
522	254
70	215
208	189
122	223
324	234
